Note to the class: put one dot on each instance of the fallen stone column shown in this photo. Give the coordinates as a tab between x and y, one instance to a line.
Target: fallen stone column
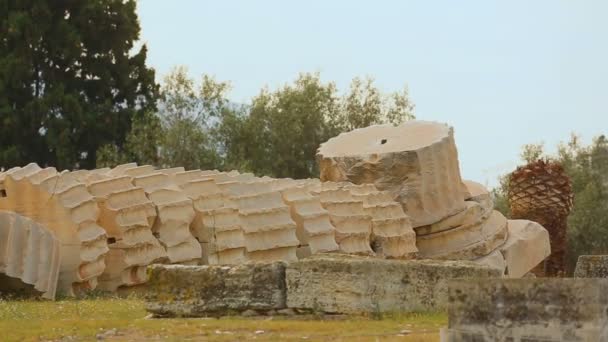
416	162
527	246
471	234
174	215
353	226
64	206
29	252
392	234
217	224
270	233
313	227
126	214
465	242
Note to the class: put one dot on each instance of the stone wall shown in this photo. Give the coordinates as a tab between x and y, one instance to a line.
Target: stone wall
333	284
544	309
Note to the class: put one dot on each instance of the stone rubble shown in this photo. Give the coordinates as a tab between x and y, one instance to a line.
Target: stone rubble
385	192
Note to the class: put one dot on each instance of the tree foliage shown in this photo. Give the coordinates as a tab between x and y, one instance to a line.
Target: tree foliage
179	133
283	129
71	79
276	134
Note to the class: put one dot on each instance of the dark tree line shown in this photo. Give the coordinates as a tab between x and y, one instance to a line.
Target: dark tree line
70	80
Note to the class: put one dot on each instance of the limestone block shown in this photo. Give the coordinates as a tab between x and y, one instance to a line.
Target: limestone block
313	226
544	309
233	256
126	266
29	252
478	193
493	260
527	246
126	214
172	171
118	170
88	176
278	253
137	171
591	266
473	214
280	184
175	214
270	233
199	291
181	178
64	206
465	242
416	162
336	283
217	222
352	225
392	233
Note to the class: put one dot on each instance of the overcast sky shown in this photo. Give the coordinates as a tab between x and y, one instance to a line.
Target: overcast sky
502	73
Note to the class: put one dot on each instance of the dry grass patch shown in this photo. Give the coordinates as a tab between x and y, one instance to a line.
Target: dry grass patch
125	319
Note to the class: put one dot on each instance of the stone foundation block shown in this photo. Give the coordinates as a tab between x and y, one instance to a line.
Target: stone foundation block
199	291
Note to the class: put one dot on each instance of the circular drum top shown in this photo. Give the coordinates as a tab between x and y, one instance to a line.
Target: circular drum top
378	139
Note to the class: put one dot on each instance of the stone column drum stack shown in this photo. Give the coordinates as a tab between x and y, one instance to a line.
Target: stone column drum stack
417	164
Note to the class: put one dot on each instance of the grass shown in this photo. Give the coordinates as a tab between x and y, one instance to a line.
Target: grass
125	320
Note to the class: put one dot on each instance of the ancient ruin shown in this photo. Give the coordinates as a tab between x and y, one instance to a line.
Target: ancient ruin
29	252
385	193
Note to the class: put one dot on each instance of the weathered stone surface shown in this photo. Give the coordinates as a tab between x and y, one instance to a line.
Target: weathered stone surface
416	161
126	214
473	214
175	214
544	309
63	205
198	291
392	234
493	260
352	226
591	266
466	242
478	193
527	246
350	284
29	254
313	227
217	223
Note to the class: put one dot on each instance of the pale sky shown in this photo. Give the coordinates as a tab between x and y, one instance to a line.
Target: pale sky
503	74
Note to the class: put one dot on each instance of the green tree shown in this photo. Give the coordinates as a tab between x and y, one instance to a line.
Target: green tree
283	129
186	112
181	131
365	105
277	134
71	79
587	167
141	144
